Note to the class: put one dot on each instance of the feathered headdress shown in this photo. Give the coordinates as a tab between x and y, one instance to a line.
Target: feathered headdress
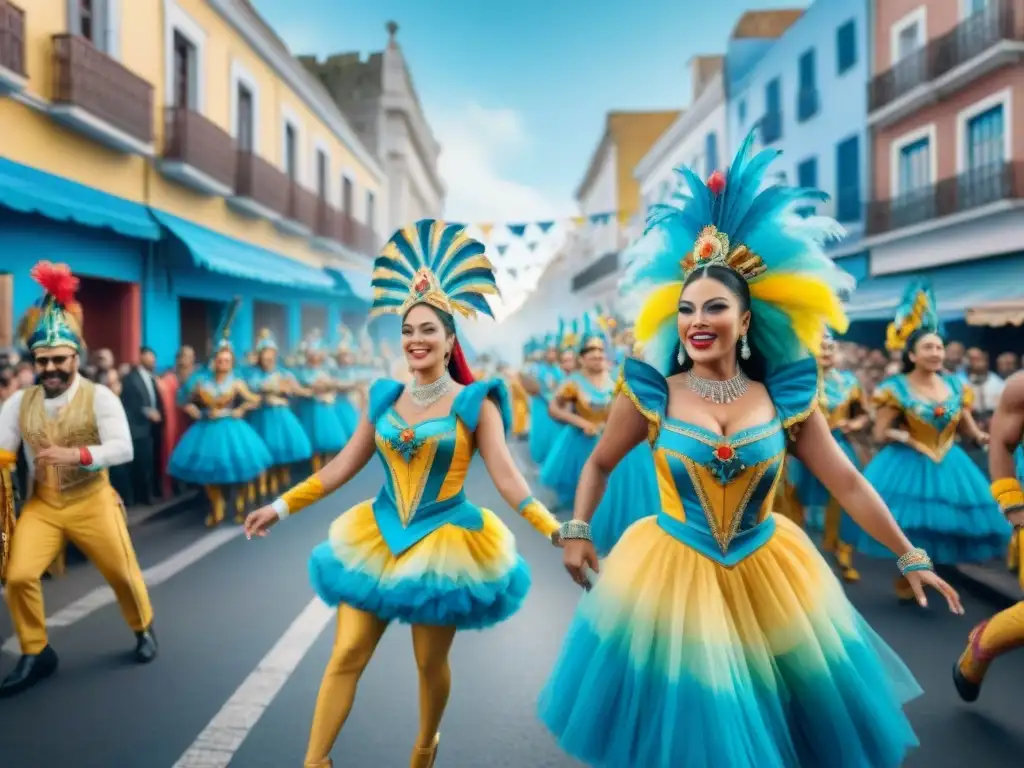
431	262
568	336
56	320
313	343
593	335
265	340
222	336
346	339
918	309
732	222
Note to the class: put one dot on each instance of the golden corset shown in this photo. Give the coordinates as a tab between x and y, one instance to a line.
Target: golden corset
74	427
594	411
932	426
838	412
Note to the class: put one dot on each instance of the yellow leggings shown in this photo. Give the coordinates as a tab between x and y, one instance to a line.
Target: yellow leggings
355	641
991	639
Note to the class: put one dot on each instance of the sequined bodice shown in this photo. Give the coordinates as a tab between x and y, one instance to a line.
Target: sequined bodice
210	394
932	425
272	385
841	392
589	401
310	377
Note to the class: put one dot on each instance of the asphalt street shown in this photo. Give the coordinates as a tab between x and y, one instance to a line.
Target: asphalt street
244	643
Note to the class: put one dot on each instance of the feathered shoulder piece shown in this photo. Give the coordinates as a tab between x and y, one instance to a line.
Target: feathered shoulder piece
57	319
917	310
734	220
432	262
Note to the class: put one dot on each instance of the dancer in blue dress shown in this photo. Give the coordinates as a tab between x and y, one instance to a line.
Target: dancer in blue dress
715	634
541	383
845	407
936	493
347	386
273	419
220	451
315	405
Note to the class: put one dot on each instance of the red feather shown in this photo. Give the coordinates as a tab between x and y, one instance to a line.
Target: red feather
56	280
716	182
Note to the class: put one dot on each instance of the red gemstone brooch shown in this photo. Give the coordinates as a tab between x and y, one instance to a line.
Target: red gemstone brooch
725	464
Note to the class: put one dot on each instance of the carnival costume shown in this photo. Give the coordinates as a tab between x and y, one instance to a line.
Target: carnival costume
316	406
548	375
220	451
420	553
69	502
345	376
716	635
839	399
273	419
937	495
520	404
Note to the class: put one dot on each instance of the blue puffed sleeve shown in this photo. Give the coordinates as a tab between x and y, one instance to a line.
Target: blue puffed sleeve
188	388
794	389
888	393
383	393
647	390
470	400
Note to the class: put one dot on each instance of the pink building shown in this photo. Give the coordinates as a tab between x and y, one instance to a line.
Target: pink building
948	167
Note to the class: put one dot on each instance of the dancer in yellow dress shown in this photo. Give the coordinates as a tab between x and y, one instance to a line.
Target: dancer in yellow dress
1004	631
420	553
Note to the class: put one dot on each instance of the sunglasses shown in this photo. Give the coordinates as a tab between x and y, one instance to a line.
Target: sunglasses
57	360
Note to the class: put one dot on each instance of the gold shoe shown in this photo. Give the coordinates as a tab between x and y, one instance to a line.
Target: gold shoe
904	592
216	516
424	757
844	556
327	763
240	506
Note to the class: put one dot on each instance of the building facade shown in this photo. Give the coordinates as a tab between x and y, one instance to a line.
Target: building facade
175	155
378	96
804	94
948	167
696	139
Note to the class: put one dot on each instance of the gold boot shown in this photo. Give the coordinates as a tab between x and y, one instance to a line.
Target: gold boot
844	556
216	497
424	757
318	463
286	477
904	592
275	487
1013	553
240	504
263	484
327	763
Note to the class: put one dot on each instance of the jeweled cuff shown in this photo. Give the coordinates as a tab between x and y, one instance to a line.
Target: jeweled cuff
537	515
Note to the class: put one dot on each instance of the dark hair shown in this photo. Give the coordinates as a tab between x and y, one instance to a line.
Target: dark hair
144	349
756	367
912	340
458	366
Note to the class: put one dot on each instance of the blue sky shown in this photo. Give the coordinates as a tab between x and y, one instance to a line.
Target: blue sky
517	91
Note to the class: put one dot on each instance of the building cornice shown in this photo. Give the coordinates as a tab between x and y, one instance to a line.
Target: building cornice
291	71
712	97
422	148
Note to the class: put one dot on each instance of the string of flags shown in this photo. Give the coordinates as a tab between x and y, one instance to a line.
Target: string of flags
531	233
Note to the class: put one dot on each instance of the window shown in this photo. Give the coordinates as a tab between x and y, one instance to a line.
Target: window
742	112
771	123
807	176
772	97
96	21
710	153
244	128
915	167
371	212
970	7
346	195
846	46
986	139
807	94
185	92
848	180
291	149
321	174
87	19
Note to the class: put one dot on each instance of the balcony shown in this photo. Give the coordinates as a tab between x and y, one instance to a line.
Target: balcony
598	270
13	78
261	190
981	188
807	104
95	95
300	215
358	237
988	40
198	153
771	128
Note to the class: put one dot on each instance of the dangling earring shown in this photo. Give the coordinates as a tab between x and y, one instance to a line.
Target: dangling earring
681	355
744	347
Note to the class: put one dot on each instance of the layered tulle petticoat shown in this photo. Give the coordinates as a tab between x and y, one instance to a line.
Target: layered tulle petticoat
322	425
282	434
219	452
542	430
631	493
468	579
945	507
561	470
675	660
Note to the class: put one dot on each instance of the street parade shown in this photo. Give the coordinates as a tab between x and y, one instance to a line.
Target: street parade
719	465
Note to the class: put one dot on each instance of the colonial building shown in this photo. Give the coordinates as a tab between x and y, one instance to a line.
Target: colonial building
176	155
948	166
696	139
379	97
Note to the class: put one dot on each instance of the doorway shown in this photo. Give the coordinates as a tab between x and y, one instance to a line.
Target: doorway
198	321
111	317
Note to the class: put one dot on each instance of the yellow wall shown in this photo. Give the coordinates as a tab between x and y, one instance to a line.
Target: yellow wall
31	138
634	133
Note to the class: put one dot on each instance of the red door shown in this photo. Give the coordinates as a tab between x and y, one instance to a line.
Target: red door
111	314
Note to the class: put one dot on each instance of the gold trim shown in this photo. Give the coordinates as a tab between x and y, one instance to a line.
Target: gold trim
653	417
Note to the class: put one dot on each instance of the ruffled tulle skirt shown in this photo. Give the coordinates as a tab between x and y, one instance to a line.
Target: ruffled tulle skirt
348	414
282	433
631	493
219	452
674	660
945	507
322	425
542	430
561	469
814	497
453	577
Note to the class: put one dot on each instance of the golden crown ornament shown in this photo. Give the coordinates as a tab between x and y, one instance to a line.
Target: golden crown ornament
713	248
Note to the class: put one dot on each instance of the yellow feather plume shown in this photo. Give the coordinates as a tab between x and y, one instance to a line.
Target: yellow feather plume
660	305
809	302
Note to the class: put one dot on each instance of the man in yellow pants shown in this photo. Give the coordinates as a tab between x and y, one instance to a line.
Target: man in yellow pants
1004	631
72	430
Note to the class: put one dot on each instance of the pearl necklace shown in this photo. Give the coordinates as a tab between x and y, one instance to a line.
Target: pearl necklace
425	395
717	391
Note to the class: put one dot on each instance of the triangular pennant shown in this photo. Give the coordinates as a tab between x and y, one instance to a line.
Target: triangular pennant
513	272
485	229
517	229
579	221
532	246
623	218
597	218
545	226
502	248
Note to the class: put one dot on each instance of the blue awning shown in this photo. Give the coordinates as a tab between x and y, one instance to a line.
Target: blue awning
29	190
958	287
355	283
222	254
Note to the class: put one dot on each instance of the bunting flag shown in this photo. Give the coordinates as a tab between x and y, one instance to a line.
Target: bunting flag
545	226
486	229
532	246
502	247
517	229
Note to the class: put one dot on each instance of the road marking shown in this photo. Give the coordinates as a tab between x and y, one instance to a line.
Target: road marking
157	574
218	742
